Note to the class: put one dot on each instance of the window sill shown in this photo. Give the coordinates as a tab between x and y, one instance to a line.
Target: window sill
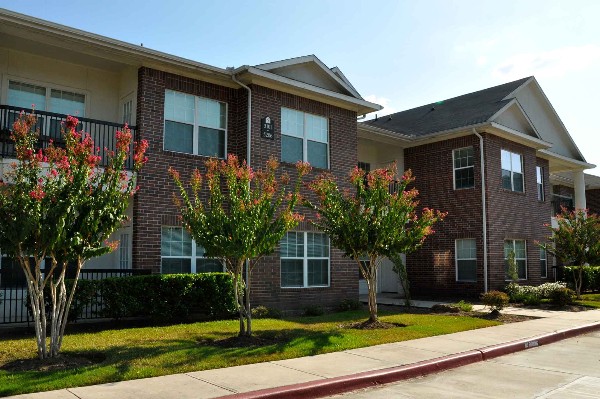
187	154
293	165
307	287
464	188
513	191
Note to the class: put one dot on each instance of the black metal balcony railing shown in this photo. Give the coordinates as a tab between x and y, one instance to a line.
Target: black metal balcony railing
49	125
559	202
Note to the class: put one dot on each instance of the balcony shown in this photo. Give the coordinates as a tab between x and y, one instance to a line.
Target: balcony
561	201
49	125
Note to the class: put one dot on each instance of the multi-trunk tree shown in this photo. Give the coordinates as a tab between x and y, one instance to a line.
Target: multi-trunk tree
575	241
377	219
239	215
58	207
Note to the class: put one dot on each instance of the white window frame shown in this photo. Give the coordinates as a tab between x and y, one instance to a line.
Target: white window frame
539	180
525	259
512	172
124	258
456	259
49	87
196	124
193	255
305	259
454	168
304	137
545	260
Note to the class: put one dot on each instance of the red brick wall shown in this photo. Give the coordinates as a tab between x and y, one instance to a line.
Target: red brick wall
153	205
432	269
515	215
509	215
343	157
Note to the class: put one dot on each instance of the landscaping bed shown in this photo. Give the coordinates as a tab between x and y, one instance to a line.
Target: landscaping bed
125	353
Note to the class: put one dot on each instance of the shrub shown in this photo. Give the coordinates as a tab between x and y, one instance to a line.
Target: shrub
463	306
349	304
531	300
562	297
591	277
313	310
263	312
532	295
495	300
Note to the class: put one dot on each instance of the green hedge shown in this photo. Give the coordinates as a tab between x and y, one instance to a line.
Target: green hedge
162	297
591	277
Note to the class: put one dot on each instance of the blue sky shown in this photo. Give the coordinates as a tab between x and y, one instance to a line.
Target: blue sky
400	54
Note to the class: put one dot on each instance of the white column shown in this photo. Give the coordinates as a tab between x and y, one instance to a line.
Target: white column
579	185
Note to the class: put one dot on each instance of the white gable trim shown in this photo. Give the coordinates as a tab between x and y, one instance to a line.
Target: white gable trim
512	102
513	93
306	59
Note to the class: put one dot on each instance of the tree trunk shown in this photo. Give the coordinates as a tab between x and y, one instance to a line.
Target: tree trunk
578	281
247	304
35	290
372	286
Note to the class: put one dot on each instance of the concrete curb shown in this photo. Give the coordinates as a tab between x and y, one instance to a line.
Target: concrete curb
338	385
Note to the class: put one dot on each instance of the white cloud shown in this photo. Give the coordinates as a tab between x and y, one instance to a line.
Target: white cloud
388	108
549	64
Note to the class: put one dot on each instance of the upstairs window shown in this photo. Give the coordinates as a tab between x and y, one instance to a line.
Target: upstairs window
195	125
464	169
512	171
539	172
304	137
24	95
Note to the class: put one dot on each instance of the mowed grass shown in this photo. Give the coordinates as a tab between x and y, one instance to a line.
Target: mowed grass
589	300
153	351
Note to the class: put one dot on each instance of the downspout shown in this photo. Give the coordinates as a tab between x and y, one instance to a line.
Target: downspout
484	213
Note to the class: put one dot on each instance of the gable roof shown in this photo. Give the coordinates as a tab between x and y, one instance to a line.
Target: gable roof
301	69
466	110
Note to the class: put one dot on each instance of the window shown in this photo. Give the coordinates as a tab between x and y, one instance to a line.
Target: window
543	263
512	171
44	99
466	260
127	112
364	166
195	125
304	260
519	248
539	172
304	137
180	254
124	251
464	176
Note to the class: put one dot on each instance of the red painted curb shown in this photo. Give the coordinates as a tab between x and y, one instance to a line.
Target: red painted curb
337	385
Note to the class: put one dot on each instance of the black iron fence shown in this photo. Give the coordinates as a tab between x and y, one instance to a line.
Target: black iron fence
49	126
13	291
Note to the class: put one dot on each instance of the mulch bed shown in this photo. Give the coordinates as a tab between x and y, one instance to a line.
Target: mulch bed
62	362
369	325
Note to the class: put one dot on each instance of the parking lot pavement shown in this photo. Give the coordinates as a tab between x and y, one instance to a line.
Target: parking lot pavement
566	369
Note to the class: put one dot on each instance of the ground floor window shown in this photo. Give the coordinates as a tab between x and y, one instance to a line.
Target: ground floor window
304	260
520	250
543	263
181	254
466	260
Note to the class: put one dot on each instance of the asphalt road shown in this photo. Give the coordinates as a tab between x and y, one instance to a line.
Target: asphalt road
563	370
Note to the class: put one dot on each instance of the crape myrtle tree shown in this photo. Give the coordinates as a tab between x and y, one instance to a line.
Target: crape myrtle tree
377	219
241	219
575	241
59	205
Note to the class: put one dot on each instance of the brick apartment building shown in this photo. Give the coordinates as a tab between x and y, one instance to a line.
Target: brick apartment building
501	163
189	111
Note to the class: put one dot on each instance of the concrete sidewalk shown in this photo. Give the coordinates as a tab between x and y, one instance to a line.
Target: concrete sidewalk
323	368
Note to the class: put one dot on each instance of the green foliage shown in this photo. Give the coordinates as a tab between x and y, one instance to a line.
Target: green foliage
349	304
495	300
370	221
243	222
512	271
263	312
562	297
576	241
463	306
531	300
532	295
590	277
313	310
167	297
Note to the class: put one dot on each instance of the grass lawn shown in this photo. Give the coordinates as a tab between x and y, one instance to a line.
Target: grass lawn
589	300
152	351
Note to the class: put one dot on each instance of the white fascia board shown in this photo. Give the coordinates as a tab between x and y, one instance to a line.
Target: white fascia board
518	136
573	163
339	73
368	131
303	60
360	106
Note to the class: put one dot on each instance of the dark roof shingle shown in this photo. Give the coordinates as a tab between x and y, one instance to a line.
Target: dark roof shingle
465	110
